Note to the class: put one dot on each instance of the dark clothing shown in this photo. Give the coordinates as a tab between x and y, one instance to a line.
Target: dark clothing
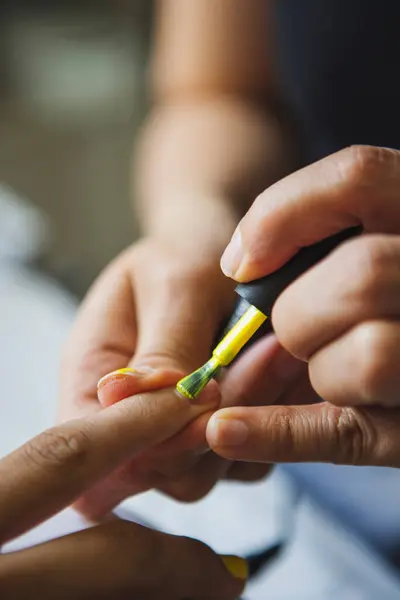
339	62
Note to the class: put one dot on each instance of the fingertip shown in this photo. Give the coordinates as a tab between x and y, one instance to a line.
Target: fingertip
126	382
236	566
227	430
119	384
232	256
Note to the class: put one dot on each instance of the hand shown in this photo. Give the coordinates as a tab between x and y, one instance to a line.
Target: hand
117	559
341	317
157	310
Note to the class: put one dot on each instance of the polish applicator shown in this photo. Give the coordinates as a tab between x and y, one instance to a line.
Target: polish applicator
254	307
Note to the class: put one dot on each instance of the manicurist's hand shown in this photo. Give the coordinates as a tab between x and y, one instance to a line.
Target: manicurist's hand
117	559
212	140
155	318
342	317
154	310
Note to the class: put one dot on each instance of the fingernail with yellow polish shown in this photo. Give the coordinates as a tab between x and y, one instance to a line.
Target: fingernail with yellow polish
142	372
233	255
236	566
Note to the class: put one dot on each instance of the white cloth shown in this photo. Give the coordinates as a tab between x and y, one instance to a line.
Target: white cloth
35	317
320	562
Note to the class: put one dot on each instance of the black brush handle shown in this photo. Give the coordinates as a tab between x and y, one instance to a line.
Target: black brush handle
263	293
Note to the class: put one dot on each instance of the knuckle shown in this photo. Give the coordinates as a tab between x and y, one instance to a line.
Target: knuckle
369	347
374	253
283	427
371	259
362	165
58	447
354	437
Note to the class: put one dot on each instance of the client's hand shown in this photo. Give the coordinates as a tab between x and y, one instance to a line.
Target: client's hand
117	559
156	310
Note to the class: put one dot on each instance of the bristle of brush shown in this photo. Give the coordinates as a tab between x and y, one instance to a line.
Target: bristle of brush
192	385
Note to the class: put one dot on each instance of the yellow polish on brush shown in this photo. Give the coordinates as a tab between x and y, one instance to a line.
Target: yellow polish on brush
259	297
226	351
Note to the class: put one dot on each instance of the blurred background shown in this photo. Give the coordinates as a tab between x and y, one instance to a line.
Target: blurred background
72	96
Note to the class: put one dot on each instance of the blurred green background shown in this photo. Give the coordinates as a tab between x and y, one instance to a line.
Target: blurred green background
73	94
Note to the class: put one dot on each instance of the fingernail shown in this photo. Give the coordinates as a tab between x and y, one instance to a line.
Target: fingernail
236	566
227	432
142	372
233	255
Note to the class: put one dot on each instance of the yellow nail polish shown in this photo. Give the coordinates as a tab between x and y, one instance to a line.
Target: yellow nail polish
236	566
125	371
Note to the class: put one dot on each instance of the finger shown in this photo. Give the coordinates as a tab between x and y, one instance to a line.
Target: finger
53	469
198	482
179	311
172	459
120	384
368	359
102	340
254	383
119	560
317	433
97	502
265	364
248	472
181	452
126	480
261	375
330	299
345	189
177	454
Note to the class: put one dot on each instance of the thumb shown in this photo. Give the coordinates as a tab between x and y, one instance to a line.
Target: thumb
315	433
345	189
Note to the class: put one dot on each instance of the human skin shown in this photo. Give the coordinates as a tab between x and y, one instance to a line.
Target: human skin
116	559
341	318
211	142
